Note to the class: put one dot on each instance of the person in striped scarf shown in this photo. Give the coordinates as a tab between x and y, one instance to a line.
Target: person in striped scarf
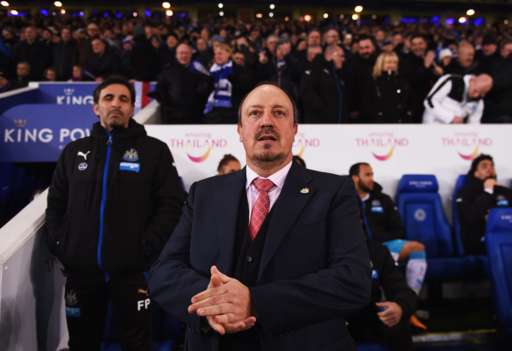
231	83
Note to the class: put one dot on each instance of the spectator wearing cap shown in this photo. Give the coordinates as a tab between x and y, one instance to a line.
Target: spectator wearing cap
65	54
445	58
465	62
488	53
387	95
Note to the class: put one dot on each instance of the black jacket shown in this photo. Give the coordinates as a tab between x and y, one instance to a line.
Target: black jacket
182	94
422	78
103	66
387	279
382	216
498	102
65	55
37	54
473	204
119	223
322	93
387	99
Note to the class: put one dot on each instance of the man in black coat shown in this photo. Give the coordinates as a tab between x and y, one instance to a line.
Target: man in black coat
279	260
183	88
65	55
420	67
33	51
480	193
361	68
104	61
114	199
498	103
322	88
384	320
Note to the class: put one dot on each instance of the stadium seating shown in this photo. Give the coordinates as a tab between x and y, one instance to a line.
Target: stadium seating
422	212
459	249
499	251
425	221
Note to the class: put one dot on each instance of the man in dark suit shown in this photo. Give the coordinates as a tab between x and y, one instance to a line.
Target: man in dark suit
272	257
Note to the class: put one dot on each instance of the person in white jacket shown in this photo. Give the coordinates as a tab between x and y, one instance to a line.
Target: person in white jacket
457	99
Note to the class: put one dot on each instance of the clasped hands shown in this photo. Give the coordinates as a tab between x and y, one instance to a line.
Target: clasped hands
226	304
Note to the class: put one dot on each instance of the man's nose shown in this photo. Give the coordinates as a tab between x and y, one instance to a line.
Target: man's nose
266	118
116	102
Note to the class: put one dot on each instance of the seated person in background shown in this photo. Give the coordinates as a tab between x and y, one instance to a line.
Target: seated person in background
77	74
384	320
457	99
228	164
383	224
22	76
480	193
50	74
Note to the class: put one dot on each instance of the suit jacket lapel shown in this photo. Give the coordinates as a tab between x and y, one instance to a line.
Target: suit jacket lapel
228	209
294	196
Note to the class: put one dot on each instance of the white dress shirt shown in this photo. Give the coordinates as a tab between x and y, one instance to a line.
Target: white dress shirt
277	178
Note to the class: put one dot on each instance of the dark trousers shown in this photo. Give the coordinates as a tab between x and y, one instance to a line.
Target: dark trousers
87	301
371	329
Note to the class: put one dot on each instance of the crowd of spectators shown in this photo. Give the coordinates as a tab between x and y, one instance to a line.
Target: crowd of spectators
338	71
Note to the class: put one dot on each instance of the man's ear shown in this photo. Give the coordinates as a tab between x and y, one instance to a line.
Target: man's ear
95	110
238	131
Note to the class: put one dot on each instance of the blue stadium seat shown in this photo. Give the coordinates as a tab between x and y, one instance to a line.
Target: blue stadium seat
459	248
425	221
422	212
499	251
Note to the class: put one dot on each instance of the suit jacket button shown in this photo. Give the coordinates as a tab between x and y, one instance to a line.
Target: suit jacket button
250	259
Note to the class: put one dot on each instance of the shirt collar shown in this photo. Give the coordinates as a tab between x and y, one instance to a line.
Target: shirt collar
277	178
366	197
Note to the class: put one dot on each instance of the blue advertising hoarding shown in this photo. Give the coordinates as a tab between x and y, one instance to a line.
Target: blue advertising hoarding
38	132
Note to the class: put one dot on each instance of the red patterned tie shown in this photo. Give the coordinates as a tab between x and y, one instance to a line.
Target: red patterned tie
261	205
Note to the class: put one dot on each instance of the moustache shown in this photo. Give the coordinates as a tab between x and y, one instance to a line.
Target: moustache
267	134
115	111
